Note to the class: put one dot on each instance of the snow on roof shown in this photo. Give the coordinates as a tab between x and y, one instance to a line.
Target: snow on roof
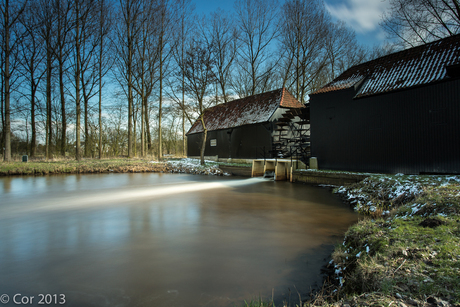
411	67
250	110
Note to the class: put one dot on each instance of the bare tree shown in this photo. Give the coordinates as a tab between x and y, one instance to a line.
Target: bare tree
82	29
146	66
221	32
414	22
9	19
256	23
184	10
149	81
63	9
89	69
127	35
342	50
198	69
32	61
140	71
165	47
47	15
305	28
104	57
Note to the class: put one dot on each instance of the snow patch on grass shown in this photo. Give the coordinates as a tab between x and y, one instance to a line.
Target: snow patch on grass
193	166
379	194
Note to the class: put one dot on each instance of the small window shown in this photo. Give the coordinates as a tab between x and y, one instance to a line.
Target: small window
213	142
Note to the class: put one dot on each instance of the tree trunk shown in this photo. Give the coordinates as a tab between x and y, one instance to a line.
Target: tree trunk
7	25
142	124
161	42
48	97
160	148
6	80
100	92
33	141
63	118
61	36
130	90
2	100
85	102
77	83
203	144
134	132
130	110
147	127
184	150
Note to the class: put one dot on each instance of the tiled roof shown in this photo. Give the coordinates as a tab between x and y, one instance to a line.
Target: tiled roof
250	110
411	67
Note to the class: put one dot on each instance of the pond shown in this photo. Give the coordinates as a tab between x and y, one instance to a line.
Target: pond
164	239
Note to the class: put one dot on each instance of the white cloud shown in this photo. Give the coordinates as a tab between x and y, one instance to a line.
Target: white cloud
362	15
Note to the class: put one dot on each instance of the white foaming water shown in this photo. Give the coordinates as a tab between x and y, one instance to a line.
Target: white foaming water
105	198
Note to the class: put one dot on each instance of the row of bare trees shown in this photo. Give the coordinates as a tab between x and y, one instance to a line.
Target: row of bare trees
128	77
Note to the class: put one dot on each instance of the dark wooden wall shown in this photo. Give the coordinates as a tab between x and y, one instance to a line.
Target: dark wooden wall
409	131
237	143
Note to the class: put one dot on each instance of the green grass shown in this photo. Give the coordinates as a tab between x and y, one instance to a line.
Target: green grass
394	254
403	257
73	166
120	165
384	193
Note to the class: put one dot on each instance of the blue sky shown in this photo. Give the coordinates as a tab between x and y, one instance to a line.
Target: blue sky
363	16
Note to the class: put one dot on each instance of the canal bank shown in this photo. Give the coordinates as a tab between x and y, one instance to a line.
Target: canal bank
406	252
95	166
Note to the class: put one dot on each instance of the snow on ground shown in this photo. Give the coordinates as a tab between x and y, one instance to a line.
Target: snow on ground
387	192
192	166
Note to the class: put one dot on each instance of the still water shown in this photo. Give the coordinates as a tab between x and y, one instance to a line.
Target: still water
163	239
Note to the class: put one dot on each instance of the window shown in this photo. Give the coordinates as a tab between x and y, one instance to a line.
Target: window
213	142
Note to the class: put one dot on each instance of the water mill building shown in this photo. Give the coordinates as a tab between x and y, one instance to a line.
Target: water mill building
396	114
268	125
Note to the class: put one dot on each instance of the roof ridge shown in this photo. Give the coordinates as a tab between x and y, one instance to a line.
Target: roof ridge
243	111
408	50
282	95
403	69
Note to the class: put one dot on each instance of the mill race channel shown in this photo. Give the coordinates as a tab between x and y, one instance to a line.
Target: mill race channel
164	239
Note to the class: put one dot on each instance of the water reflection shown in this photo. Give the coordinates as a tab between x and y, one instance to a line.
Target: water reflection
164	240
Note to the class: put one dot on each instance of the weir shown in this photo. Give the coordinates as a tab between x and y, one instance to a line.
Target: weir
282	168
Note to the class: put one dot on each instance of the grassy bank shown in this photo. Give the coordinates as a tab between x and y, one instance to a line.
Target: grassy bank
122	165
73	166
407	251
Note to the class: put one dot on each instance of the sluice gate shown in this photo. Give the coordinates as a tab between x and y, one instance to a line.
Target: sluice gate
281	168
